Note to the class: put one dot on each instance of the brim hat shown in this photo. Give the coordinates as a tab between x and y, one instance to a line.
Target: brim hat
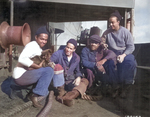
95	38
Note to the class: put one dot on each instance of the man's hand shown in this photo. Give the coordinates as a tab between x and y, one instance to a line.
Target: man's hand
101	62
77	81
101	69
120	58
40	65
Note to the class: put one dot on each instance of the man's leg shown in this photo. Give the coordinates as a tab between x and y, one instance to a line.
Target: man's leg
90	77
111	72
42	77
126	72
78	90
112	78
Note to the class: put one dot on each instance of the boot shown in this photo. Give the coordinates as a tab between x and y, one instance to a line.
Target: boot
125	91
60	93
68	99
37	100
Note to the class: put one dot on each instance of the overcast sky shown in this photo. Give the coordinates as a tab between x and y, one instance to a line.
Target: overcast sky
142	21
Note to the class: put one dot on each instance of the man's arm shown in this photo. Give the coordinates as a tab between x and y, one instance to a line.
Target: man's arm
129	43
85	59
54	57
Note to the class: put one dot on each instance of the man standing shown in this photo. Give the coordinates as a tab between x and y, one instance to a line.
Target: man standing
120	41
98	61
27	72
75	85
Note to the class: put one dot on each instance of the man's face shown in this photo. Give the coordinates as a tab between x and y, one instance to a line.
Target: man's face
41	39
94	45
114	24
70	48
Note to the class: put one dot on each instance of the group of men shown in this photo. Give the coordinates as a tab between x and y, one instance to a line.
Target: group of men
95	58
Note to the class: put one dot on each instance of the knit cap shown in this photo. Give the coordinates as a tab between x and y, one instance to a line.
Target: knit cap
42	29
116	14
73	41
58	79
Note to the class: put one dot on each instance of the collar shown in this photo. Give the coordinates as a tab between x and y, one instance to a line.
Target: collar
73	56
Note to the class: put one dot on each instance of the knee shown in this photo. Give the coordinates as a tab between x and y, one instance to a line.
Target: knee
85	81
89	71
109	63
49	70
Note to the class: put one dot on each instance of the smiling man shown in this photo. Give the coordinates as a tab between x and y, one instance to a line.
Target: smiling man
120	41
75	84
98	61
27	72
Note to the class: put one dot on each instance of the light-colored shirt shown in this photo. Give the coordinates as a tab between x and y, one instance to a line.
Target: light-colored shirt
120	41
30	50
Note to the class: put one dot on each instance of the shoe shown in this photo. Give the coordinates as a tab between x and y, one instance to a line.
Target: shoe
36	100
68	99
125	91
115	91
60	93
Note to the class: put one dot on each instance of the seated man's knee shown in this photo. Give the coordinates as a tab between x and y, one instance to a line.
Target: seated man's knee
89	71
85	81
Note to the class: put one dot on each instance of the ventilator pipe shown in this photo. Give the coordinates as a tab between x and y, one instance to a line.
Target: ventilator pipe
17	35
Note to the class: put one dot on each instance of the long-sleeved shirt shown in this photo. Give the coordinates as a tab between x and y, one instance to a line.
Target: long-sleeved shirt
30	50
120	41
89	58
71	69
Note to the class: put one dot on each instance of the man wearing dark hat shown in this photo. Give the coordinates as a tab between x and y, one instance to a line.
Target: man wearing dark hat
75	84
98	62
120	41
27	72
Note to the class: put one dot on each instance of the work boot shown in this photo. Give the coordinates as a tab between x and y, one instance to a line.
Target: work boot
60	93
37	100
125	91
115	91
68	99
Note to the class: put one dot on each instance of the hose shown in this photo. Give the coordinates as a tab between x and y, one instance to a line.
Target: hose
45	111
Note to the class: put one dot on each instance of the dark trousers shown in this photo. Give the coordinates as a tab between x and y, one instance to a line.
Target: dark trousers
126	70
109	78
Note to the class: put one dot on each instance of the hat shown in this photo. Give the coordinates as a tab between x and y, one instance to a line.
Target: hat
73	41
116	14
95	38
42	29
58	79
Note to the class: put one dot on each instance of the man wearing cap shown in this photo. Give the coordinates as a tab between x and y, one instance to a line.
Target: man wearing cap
75	85
27	72
120	41
98	61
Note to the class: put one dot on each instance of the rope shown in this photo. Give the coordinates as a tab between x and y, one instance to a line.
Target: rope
17	109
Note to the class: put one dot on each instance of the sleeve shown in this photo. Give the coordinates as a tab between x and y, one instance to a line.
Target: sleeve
85	60
108	54
129	43
25	55
54	57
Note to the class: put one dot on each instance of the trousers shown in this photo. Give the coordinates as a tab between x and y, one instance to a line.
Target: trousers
42	77
109	78
126	70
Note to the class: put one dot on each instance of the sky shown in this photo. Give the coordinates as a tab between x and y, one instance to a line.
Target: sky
141	31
